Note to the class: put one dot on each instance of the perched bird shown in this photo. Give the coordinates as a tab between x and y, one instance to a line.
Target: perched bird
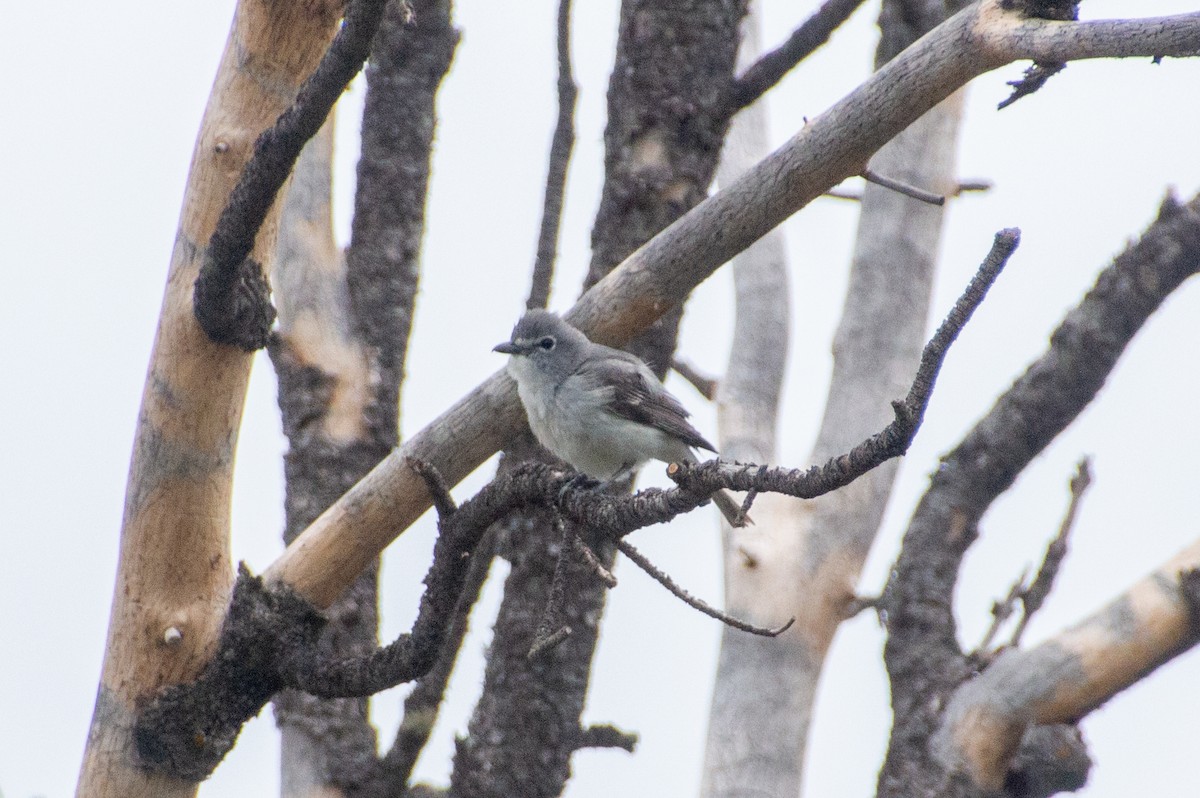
598	408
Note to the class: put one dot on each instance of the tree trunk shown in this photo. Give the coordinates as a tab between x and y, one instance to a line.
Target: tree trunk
804	558
174	575
343	338
667	120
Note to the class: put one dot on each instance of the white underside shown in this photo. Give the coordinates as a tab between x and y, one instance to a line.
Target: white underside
573	423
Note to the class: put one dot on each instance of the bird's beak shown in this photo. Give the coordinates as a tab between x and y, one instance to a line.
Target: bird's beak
508	348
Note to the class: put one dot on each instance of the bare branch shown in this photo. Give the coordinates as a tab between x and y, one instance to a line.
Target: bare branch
1035	77
1001	612
659	576
662	272
1033	597
922	655
556	174
550	629
421	705
177	522
605	736
231	299
804	41
919	194
976	185
436	484
1048	41
704	385
588	556
1065	678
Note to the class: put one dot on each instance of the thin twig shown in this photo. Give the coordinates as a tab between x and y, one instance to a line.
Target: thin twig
606	736
1001	612
640	561
804	41
859	603
550	629
706	386
972	186
903	188
845	194
1023	421
588	556
1033	597
1003	246
556	174
892	441
231	302
435	483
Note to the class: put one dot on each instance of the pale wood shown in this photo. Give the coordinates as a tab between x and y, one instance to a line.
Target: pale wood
658	276
174	571
1069	675
804	559
750	747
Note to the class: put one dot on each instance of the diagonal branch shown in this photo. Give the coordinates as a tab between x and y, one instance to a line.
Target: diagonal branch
231	295
1070	675
1035	595
804	41
922	654
641	561
281	627
660	274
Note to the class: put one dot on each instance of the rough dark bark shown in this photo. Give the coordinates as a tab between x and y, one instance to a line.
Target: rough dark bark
231	298
667	118
923	658
561	145
407	66
330	741
668	113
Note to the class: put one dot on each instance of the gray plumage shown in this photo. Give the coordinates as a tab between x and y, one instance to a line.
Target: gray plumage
600	409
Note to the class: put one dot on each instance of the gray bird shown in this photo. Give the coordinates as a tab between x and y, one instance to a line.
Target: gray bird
598	408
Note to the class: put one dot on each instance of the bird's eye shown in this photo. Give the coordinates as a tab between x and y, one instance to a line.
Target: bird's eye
546	343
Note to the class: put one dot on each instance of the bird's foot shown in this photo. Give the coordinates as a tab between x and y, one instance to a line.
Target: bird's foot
579	482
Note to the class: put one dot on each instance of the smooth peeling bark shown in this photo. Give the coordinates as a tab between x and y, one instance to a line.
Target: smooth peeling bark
174	572
659	275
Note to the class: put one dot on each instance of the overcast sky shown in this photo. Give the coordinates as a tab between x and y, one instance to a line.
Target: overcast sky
103	103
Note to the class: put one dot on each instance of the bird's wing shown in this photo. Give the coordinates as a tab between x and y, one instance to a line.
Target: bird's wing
636	394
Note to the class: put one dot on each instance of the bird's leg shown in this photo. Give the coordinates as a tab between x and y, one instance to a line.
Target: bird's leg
624	474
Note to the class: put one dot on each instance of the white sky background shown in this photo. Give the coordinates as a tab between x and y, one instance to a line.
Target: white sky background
103	103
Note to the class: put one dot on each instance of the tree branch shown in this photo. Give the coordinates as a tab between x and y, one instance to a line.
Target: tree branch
661	273
641	561
281	626
422	704
804	41
1067	677
901	187
1033	597
231	298
556	174
922	655
177	498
